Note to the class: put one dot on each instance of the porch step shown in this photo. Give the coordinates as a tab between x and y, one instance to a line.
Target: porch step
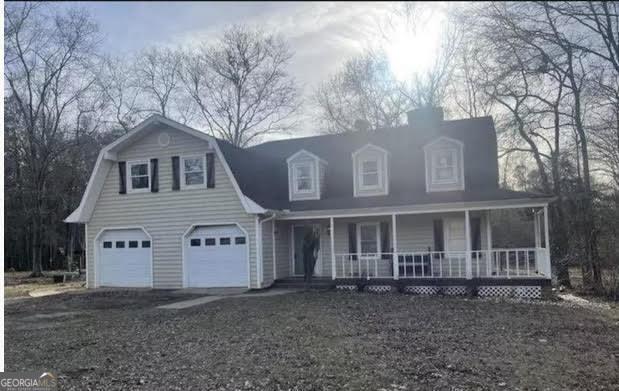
299	282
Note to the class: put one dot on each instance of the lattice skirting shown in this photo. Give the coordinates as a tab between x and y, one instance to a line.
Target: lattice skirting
527	292
350	288
422	290
378	288
455	290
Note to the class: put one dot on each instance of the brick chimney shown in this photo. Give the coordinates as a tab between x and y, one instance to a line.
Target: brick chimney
425	117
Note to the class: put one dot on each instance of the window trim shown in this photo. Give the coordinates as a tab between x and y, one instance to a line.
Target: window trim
455	168
295	178
182	172
129	182
379	173
376	226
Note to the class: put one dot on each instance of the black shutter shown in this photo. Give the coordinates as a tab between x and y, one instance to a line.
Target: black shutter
210	170
439	241
385	249
122	177
176	173
476	234
352	239
154	175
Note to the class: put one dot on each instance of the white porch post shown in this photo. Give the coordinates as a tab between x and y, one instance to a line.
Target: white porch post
332	237
488	243
467	231
547	266
274	250
546	238
536	226
394	244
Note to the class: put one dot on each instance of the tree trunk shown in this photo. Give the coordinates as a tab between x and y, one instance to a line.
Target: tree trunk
37	270
70	250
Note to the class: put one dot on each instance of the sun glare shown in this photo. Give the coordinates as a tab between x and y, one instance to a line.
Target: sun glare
413	50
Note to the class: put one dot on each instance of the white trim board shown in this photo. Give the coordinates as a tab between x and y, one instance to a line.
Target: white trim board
108	155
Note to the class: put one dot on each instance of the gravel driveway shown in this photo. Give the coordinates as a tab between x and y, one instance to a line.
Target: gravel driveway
311	341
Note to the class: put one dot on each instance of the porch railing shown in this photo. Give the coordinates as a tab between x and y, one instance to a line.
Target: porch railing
494	263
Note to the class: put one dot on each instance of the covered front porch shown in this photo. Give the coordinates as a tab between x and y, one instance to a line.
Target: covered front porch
443	246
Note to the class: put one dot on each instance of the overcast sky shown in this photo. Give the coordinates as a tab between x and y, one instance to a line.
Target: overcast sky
322	35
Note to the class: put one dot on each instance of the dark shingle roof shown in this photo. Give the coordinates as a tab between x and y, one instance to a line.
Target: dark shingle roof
262	171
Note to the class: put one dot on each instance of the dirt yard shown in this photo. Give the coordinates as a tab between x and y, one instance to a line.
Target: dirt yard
20	284
312	341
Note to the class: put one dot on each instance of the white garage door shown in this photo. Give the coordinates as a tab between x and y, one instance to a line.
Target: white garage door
124	259
216	257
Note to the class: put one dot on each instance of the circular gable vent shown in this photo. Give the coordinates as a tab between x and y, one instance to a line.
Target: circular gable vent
164	139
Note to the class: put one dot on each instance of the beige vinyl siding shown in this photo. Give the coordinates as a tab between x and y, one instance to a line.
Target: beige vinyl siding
282	248
267	253
168	214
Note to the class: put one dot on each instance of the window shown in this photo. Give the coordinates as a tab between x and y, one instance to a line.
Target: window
145	243
193	171
107	244
224	241
210	242
444	160
139	176
239	240
194	242
306	173
368	238
303	178
120	244
369	174
133	244
445	166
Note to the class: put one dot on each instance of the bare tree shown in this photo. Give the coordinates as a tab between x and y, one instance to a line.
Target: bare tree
157	76
552	60
117	84
47	71
364	89
241	86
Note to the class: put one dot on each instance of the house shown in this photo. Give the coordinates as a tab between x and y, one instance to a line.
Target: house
168	206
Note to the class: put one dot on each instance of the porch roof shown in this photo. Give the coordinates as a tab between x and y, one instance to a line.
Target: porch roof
426	203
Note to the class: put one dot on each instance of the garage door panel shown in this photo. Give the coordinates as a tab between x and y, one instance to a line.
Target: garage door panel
216	257
125	259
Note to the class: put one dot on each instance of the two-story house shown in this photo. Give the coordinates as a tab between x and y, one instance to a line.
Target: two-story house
168	206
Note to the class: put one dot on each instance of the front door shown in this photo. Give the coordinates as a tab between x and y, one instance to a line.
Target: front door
455	236
298	233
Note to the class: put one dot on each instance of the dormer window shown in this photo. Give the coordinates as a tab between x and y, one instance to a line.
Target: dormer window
306	173
370	171
303	178
444	165
369	174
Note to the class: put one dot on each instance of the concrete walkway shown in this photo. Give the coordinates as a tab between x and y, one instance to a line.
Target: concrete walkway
208	299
